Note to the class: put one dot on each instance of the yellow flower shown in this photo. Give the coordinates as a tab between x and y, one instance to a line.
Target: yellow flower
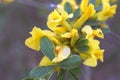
93	44
46	62
62	53
84	5
88	11
72	2
57	21
107	11
92	33
93	54
92	61
99	54
34	41
73	35
51	36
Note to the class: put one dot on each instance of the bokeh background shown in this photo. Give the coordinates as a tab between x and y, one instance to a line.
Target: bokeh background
17	19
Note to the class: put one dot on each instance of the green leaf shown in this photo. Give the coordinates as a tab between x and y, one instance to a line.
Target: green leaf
76	71
82	42
76	14
93	1
61	75
70	76
68	7
93	22
84	49
99	8
47	47
72	62
82	45
105	30
41	71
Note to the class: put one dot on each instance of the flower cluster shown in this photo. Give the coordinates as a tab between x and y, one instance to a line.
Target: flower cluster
75	31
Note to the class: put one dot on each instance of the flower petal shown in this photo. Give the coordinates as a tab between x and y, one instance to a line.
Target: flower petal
34	41
46	62
62	54
92	62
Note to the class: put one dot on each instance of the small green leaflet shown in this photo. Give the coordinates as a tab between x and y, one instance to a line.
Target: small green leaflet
76	14
68	7
41	71
82	45
72	62
47	47
76	71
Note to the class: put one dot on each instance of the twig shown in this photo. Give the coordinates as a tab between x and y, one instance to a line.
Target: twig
50	76
88	73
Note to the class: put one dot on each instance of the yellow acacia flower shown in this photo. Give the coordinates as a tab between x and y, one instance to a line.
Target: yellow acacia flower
107	11
72	2
73	35
84	5
93	54
88	11
92	61
62	53
94	45
69	34
92	33
57	21
34	41
65	33
46	62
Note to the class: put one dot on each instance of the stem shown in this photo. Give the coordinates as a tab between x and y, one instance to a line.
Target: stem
67	25
88	73
50	76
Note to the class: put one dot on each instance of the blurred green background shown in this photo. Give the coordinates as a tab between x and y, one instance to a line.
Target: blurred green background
16	60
